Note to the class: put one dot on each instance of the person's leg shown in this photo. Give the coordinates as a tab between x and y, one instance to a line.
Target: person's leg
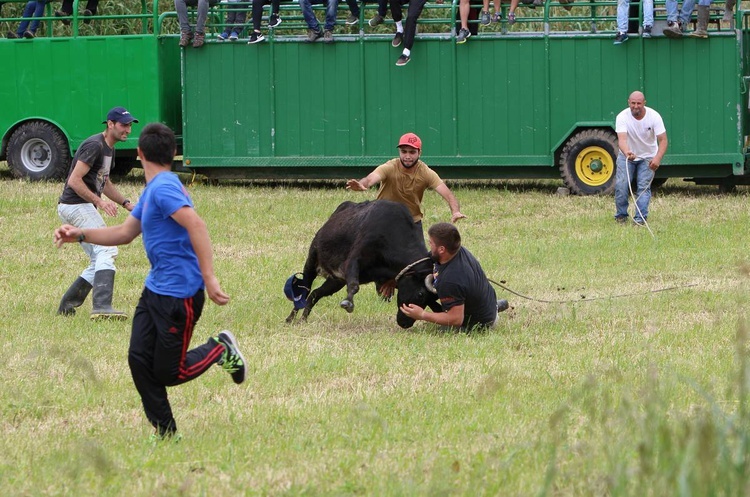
309	15
671	6
92	6
180	6
67	7
383	7
353	7
622	190
257	14
28	11
396	11
643	194
686	12
648	12
332	7
623	10
410	30
463	11
38	12
202	15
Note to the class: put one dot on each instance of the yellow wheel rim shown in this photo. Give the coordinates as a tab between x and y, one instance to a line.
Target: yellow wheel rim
594	166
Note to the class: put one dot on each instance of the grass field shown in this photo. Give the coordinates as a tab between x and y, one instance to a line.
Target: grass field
639	395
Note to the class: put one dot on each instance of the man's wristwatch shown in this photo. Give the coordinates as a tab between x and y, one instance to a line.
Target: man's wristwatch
125	202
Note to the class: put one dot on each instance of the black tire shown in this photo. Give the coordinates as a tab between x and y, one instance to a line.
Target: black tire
123	167
38	151
588	162
658	183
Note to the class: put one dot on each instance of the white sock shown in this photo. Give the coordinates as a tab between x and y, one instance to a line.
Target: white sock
399	27
406	52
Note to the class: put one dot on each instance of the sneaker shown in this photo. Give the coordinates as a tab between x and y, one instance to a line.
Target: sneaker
377	19
351	20
497	17
256	37
621	219
673	30
403	60
11	35
484	18
232	360
397	39
621	38
639	222
463	35
313	35
185	38
274	20
234	36
328	36
511	19
28	35
223	36
60	13
87	13
646	32
199	39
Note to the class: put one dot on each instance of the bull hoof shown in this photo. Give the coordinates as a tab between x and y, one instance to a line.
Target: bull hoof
348	305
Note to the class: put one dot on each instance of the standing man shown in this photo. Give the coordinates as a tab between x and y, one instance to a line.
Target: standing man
178	246
404	179
87	179
642	140
465	293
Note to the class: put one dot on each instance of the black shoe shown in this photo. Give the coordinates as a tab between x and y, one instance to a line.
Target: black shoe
403	60
621	38
256	38
274	20
87	13
28	35
232	361
11	35
646	32
60	13
313	35
397	39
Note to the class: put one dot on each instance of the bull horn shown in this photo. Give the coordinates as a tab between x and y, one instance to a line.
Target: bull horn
429	282
403	271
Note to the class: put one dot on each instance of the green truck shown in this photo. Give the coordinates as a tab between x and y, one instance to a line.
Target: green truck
535	100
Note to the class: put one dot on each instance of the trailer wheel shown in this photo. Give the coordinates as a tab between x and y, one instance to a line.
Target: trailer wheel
587	162
658	183
38	151
123	167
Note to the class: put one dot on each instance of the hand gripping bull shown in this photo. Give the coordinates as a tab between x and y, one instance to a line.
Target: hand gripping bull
374	241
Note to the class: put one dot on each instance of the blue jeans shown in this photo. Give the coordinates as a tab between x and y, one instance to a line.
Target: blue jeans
623	12
643	174
86	216
312	22
33	8
685	13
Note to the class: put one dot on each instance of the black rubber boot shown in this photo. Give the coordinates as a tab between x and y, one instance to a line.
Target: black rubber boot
74	297
104	285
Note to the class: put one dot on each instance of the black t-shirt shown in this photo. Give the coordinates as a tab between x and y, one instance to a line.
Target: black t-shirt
98	155
462	281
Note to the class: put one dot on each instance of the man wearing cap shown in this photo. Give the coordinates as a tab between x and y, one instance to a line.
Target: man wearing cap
87	179
405	178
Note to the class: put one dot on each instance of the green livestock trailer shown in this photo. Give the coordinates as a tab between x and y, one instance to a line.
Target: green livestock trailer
534	100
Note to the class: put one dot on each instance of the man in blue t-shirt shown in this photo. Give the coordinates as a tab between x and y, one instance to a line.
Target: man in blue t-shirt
466	296
179	249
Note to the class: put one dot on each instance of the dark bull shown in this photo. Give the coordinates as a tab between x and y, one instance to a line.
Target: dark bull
372	241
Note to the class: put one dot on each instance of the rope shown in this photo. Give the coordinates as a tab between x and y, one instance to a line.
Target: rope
635	200
584	299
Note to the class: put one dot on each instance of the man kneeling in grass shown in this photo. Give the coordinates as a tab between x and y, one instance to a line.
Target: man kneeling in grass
179	249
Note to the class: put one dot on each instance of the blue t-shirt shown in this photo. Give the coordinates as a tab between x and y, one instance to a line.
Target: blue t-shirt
174	266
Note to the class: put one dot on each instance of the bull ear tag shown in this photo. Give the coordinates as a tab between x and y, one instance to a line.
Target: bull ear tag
429	283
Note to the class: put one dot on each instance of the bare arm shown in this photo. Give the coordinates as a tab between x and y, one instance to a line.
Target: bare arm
114	194
622	143
656	161
452	317
76	183
359	186
121	234
196	228
447	194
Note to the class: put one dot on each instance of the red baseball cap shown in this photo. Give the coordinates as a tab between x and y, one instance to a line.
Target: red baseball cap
411	140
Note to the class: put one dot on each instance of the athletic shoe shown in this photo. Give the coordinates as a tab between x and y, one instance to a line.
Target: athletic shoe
199	39
256	38
328	36
351	20
621	219
28	35
484	18
234	36
621	38
60	13
11	35
511	19
397	39
497	17
185	38
646	32
87	13
223	36
313	35
274	20
403	60
377	19
639	222
232	360
463	35
673	30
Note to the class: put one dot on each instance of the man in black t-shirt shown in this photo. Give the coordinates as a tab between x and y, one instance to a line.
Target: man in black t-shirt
467	298
87	179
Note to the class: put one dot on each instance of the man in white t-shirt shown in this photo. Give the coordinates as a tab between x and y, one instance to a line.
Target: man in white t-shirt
642	140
